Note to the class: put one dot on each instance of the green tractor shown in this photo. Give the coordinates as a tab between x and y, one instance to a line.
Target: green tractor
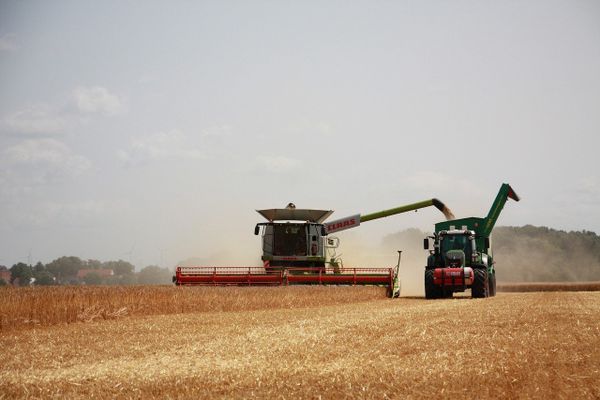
462	257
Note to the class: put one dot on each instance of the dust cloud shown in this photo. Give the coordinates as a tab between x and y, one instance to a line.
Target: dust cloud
357	252
243	251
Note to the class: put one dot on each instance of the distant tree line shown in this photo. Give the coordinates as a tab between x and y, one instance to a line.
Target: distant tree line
541	254
70	270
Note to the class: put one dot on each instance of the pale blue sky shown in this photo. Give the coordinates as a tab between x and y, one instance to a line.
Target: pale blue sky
151	131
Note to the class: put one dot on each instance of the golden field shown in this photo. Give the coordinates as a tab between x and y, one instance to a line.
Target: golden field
296	342
26	308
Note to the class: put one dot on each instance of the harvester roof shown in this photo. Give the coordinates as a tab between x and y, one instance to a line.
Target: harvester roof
295	214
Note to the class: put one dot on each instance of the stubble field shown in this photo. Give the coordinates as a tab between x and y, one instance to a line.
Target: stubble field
296	342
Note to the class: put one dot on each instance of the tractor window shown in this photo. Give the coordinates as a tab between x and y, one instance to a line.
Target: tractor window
457	242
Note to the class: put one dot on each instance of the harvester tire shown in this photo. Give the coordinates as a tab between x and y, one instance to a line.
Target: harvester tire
480	287
492	285
431	291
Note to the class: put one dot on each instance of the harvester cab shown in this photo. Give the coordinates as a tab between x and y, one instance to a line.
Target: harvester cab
462	256
293	238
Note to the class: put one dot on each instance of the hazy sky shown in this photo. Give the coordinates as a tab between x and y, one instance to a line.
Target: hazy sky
151	131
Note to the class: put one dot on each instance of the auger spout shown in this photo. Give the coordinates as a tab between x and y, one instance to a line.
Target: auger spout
504	194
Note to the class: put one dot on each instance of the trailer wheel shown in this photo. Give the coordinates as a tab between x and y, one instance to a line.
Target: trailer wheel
492	285
480	286
431	291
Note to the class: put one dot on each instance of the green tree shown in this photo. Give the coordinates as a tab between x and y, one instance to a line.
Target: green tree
43	278
119	267
3	282
92	279
65	268
22	272
154	275
39	267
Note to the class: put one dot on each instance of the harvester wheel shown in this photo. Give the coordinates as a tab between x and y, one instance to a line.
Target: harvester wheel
431	291
480	286
492	285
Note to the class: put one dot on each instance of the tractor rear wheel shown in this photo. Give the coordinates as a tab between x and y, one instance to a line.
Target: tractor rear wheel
492	285
480	287
431	291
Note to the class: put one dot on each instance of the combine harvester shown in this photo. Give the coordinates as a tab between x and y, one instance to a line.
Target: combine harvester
462	257
296	250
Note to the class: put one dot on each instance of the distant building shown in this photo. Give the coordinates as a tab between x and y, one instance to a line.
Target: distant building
103	273
4	274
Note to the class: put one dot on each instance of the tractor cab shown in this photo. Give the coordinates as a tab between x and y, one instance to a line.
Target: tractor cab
456	247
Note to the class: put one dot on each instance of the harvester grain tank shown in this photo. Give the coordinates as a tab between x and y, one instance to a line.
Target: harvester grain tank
462	256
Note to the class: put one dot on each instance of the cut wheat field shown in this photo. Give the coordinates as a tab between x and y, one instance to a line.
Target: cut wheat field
298	342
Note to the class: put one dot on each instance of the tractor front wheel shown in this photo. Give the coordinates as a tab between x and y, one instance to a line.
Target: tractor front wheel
480	286
431	291
492	285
